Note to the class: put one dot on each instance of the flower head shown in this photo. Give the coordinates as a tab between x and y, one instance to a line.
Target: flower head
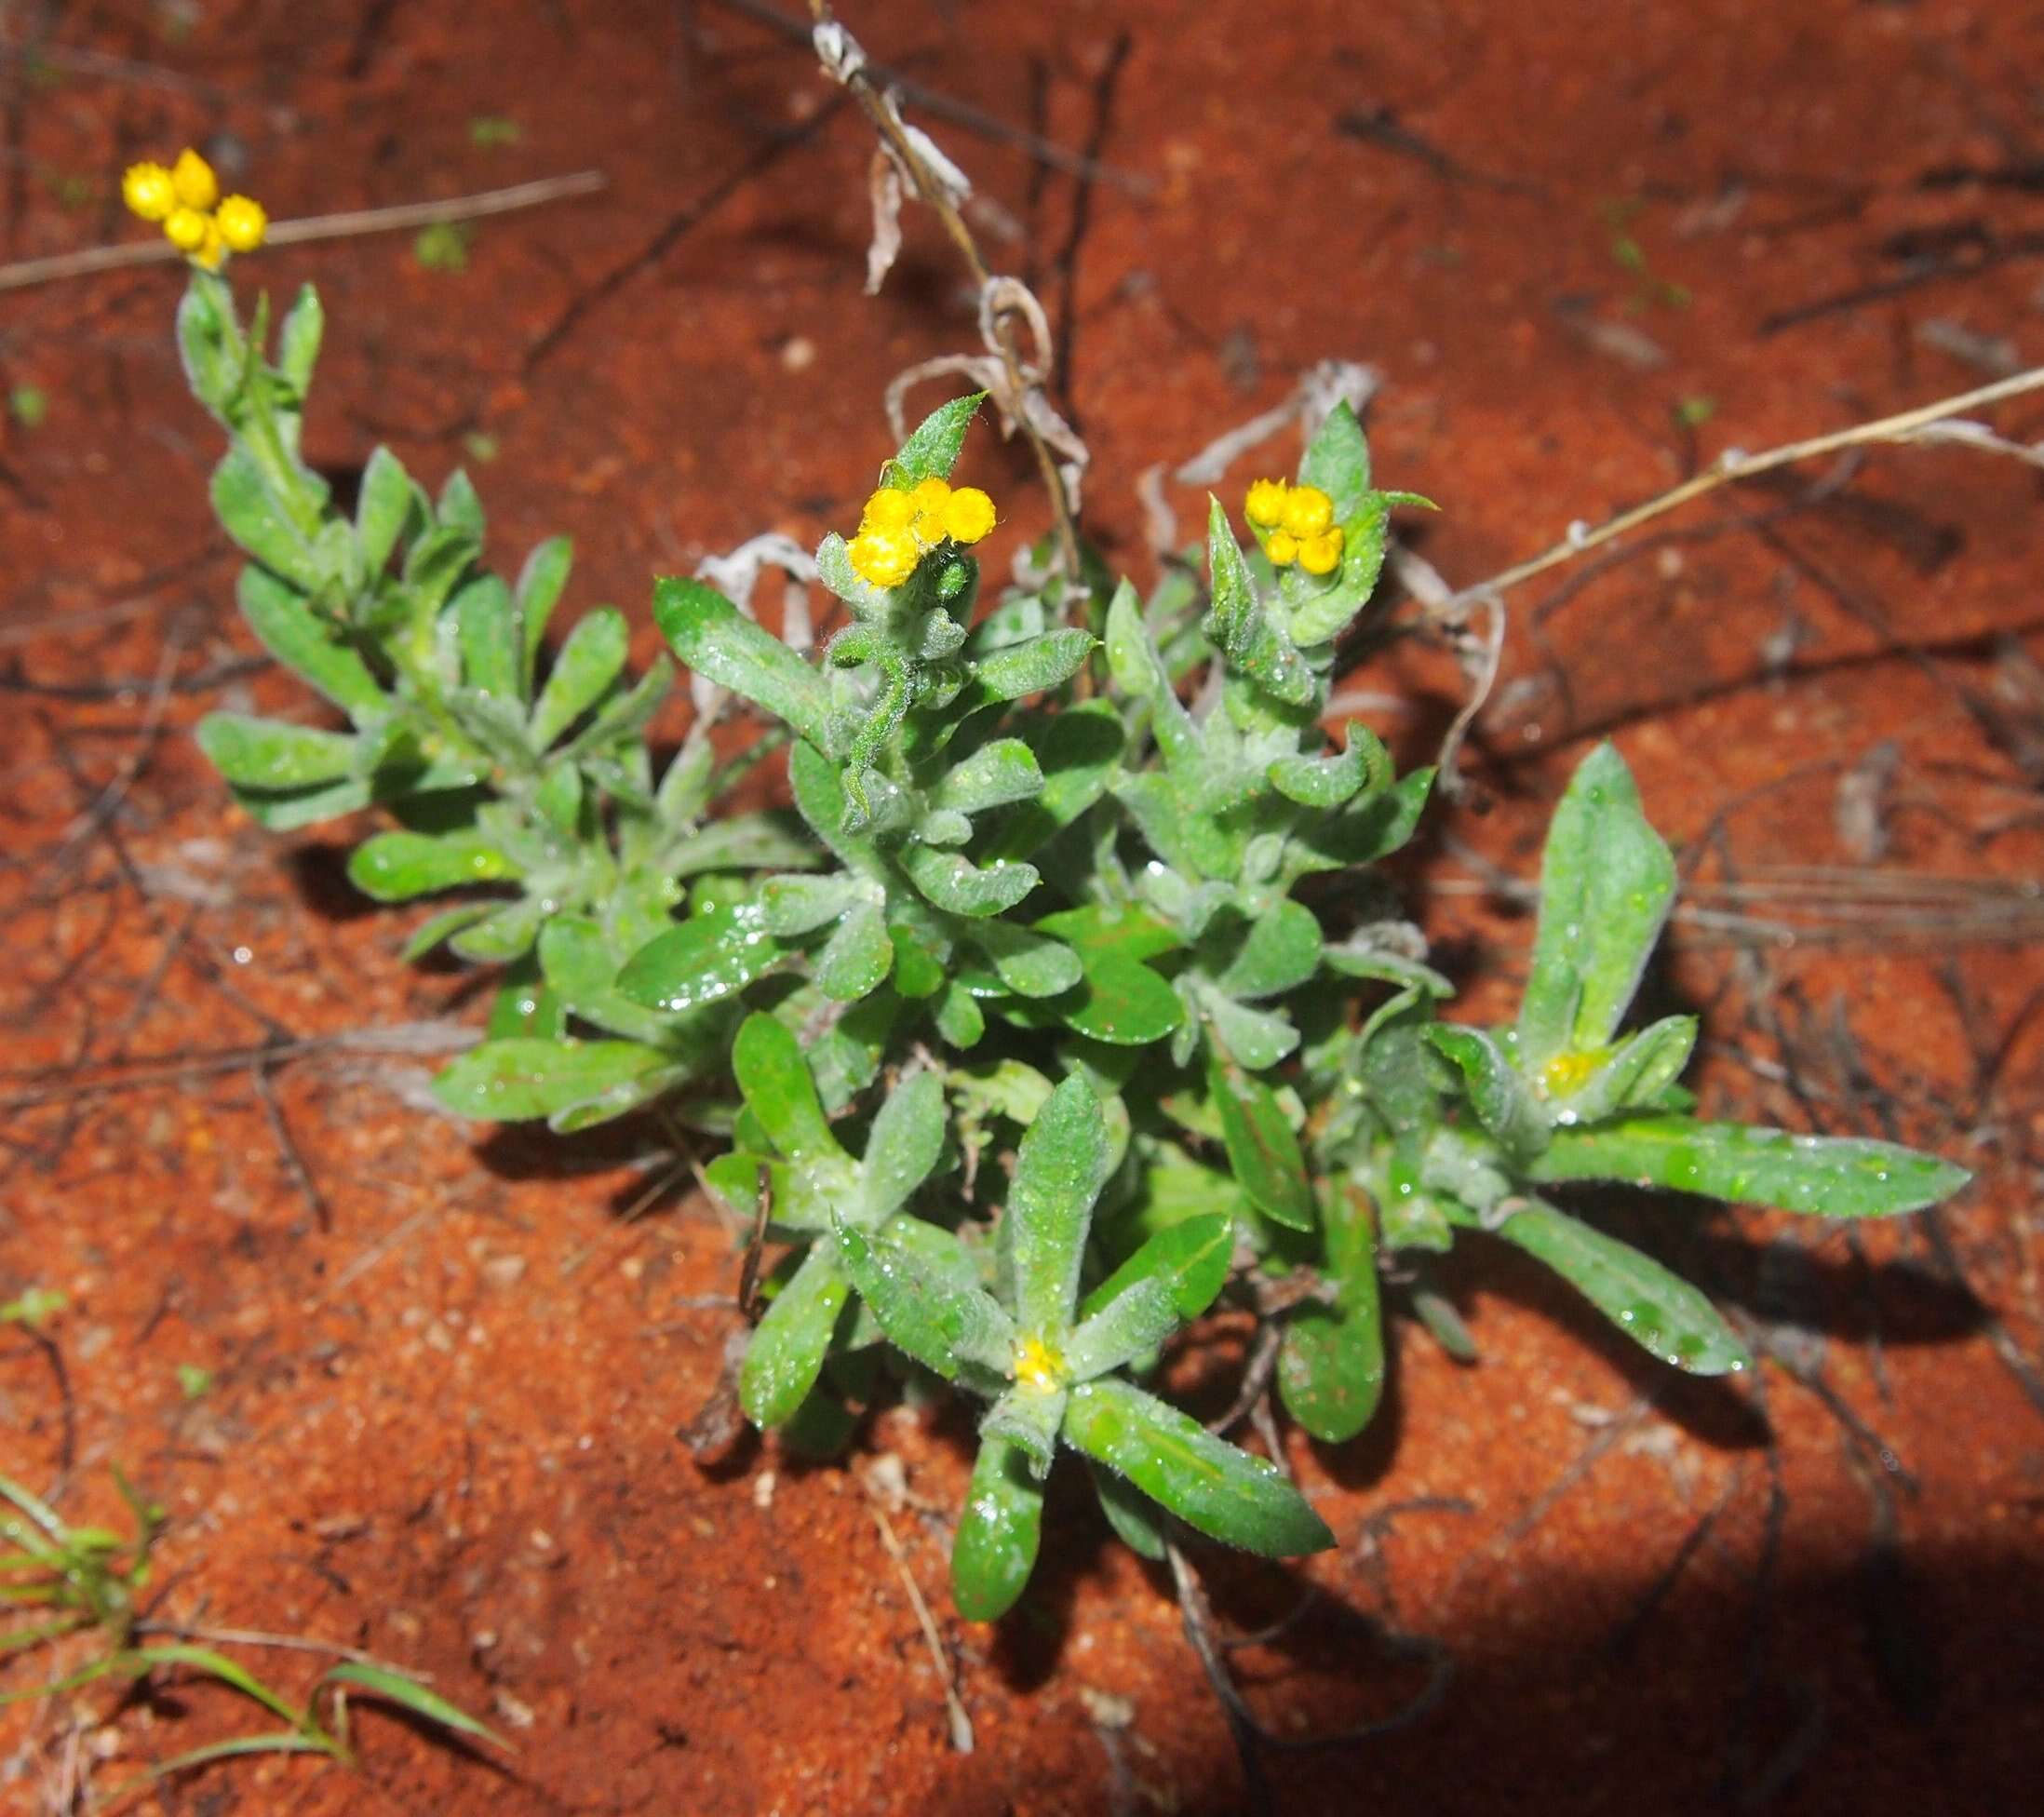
899	525
886	557
148	191
1265	505
1038	1366
186	199
967	514
192	179
1281	547
1320	553
242	224
186	229
889	508
1308	511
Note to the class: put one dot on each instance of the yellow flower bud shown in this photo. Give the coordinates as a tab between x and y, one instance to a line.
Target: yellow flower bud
1282	548
1038	1366
968	515
242	224
888	509
1322	554
886	557
194	180
148	191
929	528
212	247
1265	505
931	494
186	229
1308	511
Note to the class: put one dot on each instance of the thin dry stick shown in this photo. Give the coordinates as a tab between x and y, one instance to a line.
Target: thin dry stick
19	276
1736	467
873	104
961	1724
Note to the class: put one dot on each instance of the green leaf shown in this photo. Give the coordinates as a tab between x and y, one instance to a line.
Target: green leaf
1029	1414
856	959
767	1061
1224	1493
459	507
906	1142
1503	1102
1606	883
1059	1168
1137	1522
718	641
396	866
1657	1309
409	1694
1248	635
268	754
389	506
1262	1150
786	1351
281	812
505	934
958	1018
999	1530
1028	963
1257	1038
523	1077
619	1099
1832	1176
1033	667
1138	669
486	632
790	906
932	451
1191	1258
1364	767
1330	1370
926	1312
526	1005
540	584
284	622
250	513
1370	828
1122	1001
1076	750
1281	951
995	774
953	882
584	671
1132	1325
1337	461
211	372
298	340
712	955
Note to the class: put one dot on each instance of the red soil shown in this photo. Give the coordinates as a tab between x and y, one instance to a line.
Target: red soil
446	1380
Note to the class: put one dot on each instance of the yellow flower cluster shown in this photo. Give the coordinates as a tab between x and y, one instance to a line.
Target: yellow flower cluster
898	528
1297	525
196	218
1039	1367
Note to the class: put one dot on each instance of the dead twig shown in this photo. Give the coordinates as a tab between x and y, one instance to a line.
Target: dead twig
397	219
911	153
961	1724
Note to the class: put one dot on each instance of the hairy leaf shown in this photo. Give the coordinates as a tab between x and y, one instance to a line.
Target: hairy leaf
1834	1176
1657	1309
1207	1483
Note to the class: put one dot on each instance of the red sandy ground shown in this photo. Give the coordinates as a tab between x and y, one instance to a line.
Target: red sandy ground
441	1421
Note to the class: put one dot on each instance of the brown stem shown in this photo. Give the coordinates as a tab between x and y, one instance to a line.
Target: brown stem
931	193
